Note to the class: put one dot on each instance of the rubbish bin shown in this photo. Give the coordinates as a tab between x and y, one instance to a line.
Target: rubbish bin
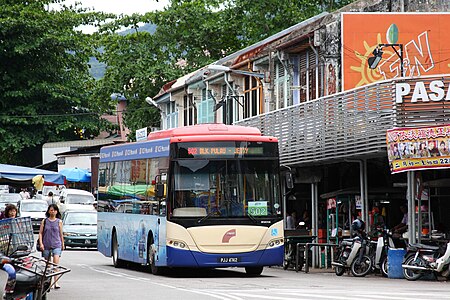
395	260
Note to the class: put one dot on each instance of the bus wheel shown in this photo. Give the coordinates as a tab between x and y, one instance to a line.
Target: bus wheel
254	271
117	262
151	260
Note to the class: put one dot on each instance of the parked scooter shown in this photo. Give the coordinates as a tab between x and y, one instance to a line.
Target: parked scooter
423	259
23	279
380	254
352	253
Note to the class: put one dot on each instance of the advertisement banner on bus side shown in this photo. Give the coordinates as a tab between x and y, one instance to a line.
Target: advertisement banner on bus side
418	148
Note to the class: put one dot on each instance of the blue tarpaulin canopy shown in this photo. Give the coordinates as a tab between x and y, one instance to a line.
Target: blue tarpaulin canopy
11	173
76	174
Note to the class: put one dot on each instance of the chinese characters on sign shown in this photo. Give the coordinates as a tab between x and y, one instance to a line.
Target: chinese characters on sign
418	148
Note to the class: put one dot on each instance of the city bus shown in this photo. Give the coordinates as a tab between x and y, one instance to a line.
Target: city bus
198	196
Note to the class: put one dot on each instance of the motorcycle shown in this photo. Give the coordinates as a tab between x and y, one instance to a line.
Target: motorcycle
380	254
352	254
423	259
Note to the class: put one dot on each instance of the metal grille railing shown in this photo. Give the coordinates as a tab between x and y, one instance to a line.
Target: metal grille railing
350	124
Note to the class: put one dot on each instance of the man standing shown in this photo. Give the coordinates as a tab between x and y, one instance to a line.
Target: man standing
403	225
24	194
290	220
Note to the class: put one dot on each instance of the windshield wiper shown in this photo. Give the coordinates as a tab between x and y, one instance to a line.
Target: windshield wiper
209	215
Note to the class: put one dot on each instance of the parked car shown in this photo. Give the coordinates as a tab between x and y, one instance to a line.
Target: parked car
33	208
9	198
73	199
80	228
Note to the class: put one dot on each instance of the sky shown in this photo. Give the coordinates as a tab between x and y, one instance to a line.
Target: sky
117	7
122	6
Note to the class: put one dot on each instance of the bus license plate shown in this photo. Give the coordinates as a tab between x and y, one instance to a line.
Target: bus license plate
229	259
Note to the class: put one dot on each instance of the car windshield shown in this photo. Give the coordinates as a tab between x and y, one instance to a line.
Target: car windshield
80	219
10	198
79	199
34	206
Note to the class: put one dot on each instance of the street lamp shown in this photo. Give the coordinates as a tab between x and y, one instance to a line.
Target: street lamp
150	101
378	54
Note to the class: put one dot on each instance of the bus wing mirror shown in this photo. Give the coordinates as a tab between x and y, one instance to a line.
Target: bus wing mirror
159	188
289	180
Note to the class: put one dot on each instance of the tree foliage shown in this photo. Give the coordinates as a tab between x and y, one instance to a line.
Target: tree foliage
45	84
47	94
189	34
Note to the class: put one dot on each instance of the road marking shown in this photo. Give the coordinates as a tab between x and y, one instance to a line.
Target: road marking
214	294
283	294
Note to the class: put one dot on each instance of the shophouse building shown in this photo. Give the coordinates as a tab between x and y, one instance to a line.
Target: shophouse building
335	117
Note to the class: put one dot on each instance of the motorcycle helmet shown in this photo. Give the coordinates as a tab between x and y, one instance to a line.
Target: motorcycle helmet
358	225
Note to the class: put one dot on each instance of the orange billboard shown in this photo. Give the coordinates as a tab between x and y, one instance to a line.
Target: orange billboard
424	38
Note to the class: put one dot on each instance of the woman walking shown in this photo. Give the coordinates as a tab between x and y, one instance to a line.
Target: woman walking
51	241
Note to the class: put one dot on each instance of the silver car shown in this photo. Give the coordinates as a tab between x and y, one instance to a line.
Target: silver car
80	228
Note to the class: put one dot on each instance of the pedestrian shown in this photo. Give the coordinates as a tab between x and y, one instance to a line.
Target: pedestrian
10	211
402	227
291	220
51	240
24	194
50	199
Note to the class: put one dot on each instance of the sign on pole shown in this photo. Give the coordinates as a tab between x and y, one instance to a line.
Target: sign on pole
141	134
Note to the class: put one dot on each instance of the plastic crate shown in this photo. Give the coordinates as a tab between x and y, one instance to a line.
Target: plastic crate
15	232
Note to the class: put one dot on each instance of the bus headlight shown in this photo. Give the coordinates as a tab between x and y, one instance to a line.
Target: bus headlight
275	243
178	244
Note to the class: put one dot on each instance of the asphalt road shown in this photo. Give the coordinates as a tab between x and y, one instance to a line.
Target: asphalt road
92	276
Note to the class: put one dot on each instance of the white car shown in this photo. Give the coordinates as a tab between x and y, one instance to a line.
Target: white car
73	199
33	208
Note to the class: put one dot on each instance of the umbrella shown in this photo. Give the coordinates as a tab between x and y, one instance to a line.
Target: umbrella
76	175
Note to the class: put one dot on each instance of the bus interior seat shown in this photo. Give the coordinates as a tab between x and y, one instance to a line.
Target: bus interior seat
189	212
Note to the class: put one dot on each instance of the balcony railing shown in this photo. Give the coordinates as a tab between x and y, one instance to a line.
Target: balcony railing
350	124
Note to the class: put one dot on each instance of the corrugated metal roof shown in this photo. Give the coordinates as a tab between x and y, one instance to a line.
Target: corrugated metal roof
80	143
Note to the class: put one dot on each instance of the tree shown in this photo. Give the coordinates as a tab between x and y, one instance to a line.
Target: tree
45	85
189	34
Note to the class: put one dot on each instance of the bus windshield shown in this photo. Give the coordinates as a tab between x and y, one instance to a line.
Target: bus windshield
225	188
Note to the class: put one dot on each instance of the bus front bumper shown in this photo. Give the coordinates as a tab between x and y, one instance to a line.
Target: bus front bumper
185	258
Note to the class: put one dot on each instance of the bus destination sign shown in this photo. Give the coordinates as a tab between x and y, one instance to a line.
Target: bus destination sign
225	151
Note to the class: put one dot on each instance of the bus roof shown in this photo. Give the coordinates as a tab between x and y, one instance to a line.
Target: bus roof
158	143
205	130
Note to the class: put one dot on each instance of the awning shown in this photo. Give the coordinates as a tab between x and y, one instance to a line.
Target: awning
11	173
76	174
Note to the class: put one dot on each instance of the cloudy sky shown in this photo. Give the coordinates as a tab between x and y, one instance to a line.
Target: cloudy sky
122	6
126	7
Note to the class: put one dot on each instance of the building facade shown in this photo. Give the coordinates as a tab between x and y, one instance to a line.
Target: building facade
311	86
